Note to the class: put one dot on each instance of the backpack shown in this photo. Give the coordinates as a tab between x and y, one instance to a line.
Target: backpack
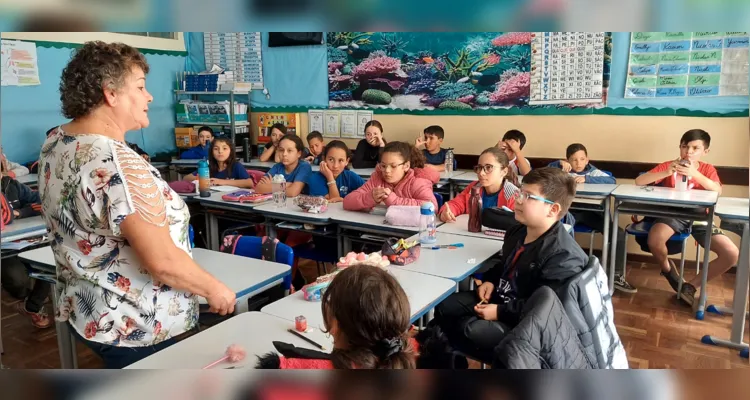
7	212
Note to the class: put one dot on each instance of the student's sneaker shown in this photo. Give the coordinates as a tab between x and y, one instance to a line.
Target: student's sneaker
622	285
39	319
688	294
673	277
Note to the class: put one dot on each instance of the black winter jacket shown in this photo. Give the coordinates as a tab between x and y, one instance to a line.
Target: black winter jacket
20	197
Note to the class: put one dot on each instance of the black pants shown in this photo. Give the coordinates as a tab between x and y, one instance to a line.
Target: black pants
17	283
116	357
467	332
595	220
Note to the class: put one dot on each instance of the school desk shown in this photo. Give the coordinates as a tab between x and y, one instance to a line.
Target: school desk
24	228
734	214
453	264
595	197
461	227
214	205
655	201
424	293
245	276
291	213
29	180
255	332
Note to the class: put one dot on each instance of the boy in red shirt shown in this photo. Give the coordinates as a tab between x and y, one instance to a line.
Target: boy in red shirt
701	176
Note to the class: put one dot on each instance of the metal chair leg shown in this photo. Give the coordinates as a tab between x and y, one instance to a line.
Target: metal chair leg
591	244
697	259
682	268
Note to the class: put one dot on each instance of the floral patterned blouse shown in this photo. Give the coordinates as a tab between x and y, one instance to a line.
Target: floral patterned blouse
90	184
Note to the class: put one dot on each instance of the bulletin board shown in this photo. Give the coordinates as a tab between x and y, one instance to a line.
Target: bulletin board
267	119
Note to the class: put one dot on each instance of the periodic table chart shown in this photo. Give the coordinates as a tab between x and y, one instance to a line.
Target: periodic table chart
239	52
567	67
687	64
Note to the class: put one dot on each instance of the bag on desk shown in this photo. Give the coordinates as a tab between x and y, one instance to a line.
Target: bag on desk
246	196
183	187
499	219
395	252
402	215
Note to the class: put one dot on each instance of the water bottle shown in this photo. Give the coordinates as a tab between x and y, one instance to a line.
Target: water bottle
681	181
204	179
427	225
279	190
475	210
449	162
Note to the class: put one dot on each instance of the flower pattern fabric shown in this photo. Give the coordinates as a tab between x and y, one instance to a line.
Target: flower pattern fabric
91	183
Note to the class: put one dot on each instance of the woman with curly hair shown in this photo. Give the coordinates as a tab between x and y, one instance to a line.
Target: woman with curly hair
128	285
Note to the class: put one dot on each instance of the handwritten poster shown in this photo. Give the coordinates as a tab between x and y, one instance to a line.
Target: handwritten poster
363	117
331	125
348	124
18	63
315	118
567	67
687	64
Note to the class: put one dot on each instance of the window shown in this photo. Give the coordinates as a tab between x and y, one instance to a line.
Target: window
163	35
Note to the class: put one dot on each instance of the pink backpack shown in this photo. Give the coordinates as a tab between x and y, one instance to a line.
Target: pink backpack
183	187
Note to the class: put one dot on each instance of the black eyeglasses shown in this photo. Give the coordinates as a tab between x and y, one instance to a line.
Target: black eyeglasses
487	168
391	166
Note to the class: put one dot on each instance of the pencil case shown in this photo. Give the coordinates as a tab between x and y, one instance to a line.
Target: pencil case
312	204
402	215
246	196
314	291
394	251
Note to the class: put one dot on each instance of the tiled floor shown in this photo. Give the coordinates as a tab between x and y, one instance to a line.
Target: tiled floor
656	329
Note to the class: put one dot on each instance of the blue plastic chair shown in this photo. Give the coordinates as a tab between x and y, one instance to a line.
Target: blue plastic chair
191	235
250	246
580	228
440	201
310	251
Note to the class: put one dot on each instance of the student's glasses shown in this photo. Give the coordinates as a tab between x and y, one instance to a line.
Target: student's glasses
391	166
521	197
487	168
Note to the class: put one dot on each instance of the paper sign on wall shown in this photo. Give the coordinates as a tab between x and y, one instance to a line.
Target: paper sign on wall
348	124
316	120
18	63
331	124
363	117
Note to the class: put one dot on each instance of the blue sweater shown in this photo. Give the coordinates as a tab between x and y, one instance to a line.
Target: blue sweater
196	153
591	173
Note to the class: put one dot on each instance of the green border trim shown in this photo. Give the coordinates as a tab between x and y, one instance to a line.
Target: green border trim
636	111
66	45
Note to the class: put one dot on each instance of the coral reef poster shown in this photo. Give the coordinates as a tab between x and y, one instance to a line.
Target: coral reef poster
426	71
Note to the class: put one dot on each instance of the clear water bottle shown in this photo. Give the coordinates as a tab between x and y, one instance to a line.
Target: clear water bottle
279	190
427	224
204	179
449	162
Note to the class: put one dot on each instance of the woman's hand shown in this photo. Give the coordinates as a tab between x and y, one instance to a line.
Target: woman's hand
221	300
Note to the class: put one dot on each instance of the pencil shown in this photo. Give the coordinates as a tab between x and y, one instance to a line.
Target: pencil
306	339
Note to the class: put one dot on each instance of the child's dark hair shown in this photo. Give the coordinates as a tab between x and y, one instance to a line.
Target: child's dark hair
556	185
294	138
575	148
502	159
435	130
372	312
696	134
280	127
408	153
375	124
336	144
213	163
207	129
314	135
515	134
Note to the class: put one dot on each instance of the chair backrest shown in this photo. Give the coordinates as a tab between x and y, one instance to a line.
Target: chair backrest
252	247
256	175
588	304
439	198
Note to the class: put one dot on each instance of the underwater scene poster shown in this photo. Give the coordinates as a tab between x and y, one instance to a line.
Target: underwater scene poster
458	71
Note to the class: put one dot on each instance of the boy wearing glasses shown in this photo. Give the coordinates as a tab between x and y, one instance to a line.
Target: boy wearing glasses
700	176
537	252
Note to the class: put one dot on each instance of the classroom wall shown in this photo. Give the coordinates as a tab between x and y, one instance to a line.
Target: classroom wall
607	137
28	112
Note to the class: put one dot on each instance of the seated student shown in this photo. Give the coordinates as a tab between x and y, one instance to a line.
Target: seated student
394	182
200	152
334	180
12	169
269	153
433	153
314	154
224	167
701	176
496	180
537	252
367	312
25	203
578	166
368	149
296	172
513	143
139	150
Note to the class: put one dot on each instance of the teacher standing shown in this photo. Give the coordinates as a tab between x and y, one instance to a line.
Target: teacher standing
127	280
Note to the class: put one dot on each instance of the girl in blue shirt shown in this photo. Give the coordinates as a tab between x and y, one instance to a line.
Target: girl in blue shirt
224	167
296	172
334	181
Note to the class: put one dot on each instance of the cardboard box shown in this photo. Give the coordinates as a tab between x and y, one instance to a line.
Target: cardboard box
186	138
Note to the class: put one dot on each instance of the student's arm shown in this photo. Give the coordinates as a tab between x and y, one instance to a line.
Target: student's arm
30	201
458	203
360	199
359	159
523	164
436	167
268	153
193	153
303	175
421	192
240	178
710	182
597	176
191	177
657	174
265	185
